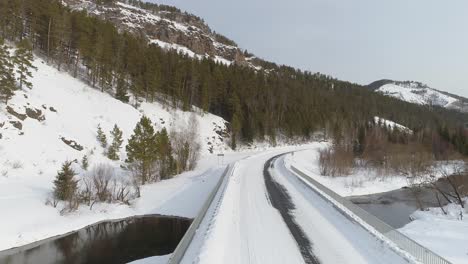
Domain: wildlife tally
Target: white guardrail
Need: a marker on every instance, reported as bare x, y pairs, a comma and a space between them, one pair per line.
406, 244
184, 244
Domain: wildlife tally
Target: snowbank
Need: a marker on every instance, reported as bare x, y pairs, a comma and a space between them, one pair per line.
446, 235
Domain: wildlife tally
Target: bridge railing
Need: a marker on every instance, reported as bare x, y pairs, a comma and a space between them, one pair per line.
184, 244
404, 243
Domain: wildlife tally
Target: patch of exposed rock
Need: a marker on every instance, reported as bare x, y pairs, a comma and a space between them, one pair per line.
12, 112
71, 143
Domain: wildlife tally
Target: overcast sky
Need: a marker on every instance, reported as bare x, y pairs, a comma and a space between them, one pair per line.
356, 40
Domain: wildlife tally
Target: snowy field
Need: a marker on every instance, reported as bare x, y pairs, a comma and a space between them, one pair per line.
446, 235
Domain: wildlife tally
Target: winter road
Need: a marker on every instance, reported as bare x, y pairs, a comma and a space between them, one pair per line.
267, 215
281, 200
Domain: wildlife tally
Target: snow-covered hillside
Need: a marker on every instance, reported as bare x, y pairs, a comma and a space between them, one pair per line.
56, 121
390, 124
417, 93
59, 107
170, 29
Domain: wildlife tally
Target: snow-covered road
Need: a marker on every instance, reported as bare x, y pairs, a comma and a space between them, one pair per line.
247, 228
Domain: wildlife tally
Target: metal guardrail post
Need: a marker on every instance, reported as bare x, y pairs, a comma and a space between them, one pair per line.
184, 244
419, 252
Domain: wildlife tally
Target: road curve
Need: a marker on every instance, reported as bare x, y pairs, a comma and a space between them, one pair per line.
281, 200
267, 215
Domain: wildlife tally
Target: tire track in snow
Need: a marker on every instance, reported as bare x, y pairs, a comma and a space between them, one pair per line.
281, 200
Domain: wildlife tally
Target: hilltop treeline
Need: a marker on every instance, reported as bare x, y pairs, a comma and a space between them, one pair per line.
283, 101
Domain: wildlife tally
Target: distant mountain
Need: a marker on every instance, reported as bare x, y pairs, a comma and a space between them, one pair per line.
419, 93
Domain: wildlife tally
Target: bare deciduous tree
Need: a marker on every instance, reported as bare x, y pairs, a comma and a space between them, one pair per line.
455, 175
101, 177
186, 144
336, 161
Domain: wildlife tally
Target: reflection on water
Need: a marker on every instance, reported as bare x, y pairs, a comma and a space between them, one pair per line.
110, 242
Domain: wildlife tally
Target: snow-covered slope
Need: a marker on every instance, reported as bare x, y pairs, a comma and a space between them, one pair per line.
56, 121
390, 124
418, 93
169, 28
68, 108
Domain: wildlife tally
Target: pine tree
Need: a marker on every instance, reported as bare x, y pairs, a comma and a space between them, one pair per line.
117, 140
65, 185
235, 130
101, 137
142, 149
7, 79
121, 90
164, 154
23, 59
85, 162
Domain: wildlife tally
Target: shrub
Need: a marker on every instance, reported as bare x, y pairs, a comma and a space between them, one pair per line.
102, 185
336, 161
17, 165
101, 178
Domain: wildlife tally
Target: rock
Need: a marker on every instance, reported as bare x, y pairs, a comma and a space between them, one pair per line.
17, 124
35, 114
197, 35
52, 109
71, 143
12, 112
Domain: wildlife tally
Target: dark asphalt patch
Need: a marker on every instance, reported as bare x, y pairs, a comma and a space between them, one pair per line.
281, 200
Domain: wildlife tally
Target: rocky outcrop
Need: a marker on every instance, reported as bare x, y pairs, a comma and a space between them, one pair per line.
17, 124
35, 114
14, 113
167, 24
71, 143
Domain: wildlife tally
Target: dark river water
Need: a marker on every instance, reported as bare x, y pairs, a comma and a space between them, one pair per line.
394, 207
109, 242
396, 214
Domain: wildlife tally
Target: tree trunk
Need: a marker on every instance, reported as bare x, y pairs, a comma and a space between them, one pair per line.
457, 193
48, 40
440, 204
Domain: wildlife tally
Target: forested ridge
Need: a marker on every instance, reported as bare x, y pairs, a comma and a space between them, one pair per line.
281, 102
